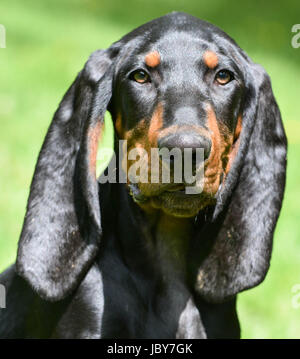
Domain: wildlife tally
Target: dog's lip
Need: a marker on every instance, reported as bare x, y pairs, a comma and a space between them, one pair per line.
179, 191
179, 188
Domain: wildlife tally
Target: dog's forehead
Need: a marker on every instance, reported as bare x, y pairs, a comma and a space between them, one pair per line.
182, 45
170, 49
176, 35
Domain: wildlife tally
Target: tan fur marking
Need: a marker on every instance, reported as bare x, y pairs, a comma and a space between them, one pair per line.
235, 146
238, 128
94, 135
155, 124
210, 59
118, 126
152, 59
232, 155
213, 166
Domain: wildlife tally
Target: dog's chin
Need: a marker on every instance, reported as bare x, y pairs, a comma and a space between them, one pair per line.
172, 200
180, 204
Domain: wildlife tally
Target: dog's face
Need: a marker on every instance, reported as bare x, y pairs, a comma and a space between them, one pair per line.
181, 90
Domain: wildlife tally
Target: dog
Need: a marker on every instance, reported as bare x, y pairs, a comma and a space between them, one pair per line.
149, 260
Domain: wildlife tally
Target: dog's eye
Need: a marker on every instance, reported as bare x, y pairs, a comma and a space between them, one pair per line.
224, 76
140, 76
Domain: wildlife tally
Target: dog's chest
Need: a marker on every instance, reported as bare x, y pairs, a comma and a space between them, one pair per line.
134, 308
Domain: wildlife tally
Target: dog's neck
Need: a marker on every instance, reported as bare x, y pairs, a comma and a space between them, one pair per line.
161, 238
168, 239
154, 244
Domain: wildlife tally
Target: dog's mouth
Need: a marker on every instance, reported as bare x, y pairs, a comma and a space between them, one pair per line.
173, 200
141, 194
177, 202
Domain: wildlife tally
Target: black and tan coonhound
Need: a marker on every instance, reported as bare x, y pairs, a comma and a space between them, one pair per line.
148, 260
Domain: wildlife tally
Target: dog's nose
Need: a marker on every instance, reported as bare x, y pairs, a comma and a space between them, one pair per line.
185, 140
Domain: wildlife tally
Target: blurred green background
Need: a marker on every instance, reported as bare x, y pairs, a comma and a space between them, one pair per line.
48, 43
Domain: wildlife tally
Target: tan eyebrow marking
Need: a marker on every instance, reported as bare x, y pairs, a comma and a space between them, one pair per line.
210, 59
152, 59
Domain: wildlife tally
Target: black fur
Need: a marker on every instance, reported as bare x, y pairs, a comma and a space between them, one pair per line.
83, 269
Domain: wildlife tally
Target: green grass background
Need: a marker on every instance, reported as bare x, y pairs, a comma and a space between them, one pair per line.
48, 43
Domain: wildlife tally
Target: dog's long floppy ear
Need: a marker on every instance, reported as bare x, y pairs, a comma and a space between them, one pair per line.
238, 250
62, 226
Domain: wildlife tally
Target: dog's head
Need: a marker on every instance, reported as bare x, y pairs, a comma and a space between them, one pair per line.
181, 84
174, 83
